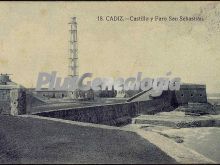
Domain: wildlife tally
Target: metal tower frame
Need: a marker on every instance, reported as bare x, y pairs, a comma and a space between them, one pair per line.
73, 50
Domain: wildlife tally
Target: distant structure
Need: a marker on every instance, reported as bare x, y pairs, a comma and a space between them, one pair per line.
188, 93
73, 50
72, 69
73, 64
4, 79
12, 97
46, 93
191, 93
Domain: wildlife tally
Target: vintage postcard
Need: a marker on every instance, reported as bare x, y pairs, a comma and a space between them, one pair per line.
91, 82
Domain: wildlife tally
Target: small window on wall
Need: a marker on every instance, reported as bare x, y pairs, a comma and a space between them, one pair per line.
191, 95
200, 95
182, 94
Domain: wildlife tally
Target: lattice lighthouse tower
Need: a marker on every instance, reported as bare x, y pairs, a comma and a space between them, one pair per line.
73, 50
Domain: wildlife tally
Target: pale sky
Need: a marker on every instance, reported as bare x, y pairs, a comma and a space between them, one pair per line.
34, 38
